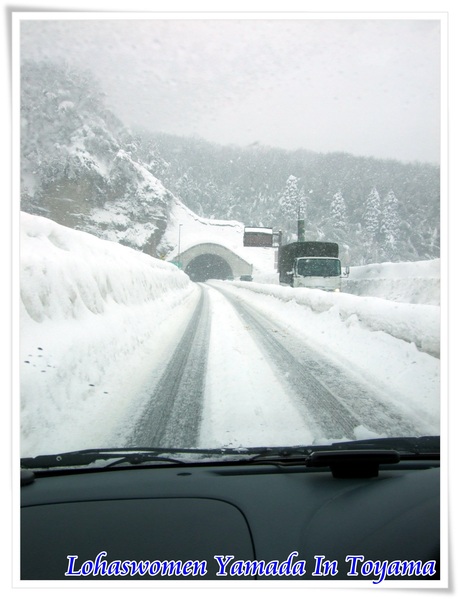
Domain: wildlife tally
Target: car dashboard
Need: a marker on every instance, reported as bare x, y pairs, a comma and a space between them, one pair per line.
232, 521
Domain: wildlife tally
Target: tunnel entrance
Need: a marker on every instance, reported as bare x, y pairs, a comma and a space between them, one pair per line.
208, 266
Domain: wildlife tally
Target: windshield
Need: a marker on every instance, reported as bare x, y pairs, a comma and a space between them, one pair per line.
164, 163
318, 267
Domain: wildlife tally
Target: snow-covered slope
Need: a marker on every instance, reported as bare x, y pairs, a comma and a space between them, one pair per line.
81, 167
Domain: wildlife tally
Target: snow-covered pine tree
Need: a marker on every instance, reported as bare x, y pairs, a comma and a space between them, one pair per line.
390, 228
338, 215
371, 226
292, 204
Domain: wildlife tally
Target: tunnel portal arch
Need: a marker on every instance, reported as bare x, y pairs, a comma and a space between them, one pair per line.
213, 261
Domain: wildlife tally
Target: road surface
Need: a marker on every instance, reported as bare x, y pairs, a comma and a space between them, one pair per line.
237, 378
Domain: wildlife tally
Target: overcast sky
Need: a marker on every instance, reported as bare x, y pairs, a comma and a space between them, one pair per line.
367, 87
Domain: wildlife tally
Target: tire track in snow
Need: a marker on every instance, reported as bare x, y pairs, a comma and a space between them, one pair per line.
245, 402
326, 394
173, 416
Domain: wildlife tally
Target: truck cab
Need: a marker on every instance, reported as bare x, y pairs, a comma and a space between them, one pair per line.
312, 264
317, 272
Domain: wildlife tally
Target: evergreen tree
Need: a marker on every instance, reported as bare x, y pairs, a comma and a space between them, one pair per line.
292, 204
338, 215
390, 228
371, 226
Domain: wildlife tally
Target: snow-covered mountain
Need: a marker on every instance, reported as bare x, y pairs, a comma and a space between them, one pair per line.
79, 165
81, 168
382, 210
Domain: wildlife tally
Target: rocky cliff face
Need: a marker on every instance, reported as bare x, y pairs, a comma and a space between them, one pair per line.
80, 166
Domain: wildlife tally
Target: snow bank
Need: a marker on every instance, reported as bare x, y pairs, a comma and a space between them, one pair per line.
88, 309
424, 269
418, 324
398, 373
410, 282
70, 274
405, 282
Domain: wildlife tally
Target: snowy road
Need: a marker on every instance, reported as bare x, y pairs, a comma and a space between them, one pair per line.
238, 377
173, 415
118, 349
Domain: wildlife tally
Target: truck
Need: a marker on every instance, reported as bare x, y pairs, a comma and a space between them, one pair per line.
313, 264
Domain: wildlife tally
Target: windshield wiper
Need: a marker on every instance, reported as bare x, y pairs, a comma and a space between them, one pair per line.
404, 447
134, 455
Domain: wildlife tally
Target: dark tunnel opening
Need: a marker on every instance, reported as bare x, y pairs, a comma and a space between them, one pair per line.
208, 266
